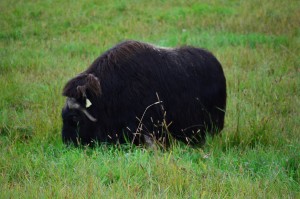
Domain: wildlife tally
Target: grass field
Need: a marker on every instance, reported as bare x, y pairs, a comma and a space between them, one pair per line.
45, 43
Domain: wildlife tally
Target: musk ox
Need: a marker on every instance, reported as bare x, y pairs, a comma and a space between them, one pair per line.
139, 93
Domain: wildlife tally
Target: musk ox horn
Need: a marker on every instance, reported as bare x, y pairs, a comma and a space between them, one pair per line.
78, 86
72, 104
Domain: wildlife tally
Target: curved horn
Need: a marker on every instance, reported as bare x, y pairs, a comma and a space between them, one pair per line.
72, 104
88, 115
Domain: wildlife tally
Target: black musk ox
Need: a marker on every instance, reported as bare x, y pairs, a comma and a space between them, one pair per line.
139, 93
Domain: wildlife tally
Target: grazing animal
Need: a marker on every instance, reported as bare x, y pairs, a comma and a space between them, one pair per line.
139, 93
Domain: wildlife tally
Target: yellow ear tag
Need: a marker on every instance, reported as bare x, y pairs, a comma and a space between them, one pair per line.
87, 103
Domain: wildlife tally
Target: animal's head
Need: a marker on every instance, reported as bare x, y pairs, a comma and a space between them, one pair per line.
79, 113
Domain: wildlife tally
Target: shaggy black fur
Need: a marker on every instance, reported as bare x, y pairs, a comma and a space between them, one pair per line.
137, 90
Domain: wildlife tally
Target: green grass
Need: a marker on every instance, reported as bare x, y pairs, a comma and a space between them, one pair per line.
45, 43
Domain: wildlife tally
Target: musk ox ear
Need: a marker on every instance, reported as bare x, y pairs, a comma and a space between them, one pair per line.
80, 85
